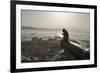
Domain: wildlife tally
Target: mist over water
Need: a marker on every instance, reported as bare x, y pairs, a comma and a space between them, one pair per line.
83, 38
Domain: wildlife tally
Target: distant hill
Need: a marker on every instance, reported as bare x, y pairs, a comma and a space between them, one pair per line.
28, 27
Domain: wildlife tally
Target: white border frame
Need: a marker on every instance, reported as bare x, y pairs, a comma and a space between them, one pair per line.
20, 65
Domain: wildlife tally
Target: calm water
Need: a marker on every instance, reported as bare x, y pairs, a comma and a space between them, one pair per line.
82, 37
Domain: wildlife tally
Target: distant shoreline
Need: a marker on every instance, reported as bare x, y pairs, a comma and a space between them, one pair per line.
36, 28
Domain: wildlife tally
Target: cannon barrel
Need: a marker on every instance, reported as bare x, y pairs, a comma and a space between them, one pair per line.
77, 51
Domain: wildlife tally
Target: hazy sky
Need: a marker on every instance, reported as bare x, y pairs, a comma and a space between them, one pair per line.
47, 19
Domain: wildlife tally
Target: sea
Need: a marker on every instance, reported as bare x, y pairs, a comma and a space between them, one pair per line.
82, 38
